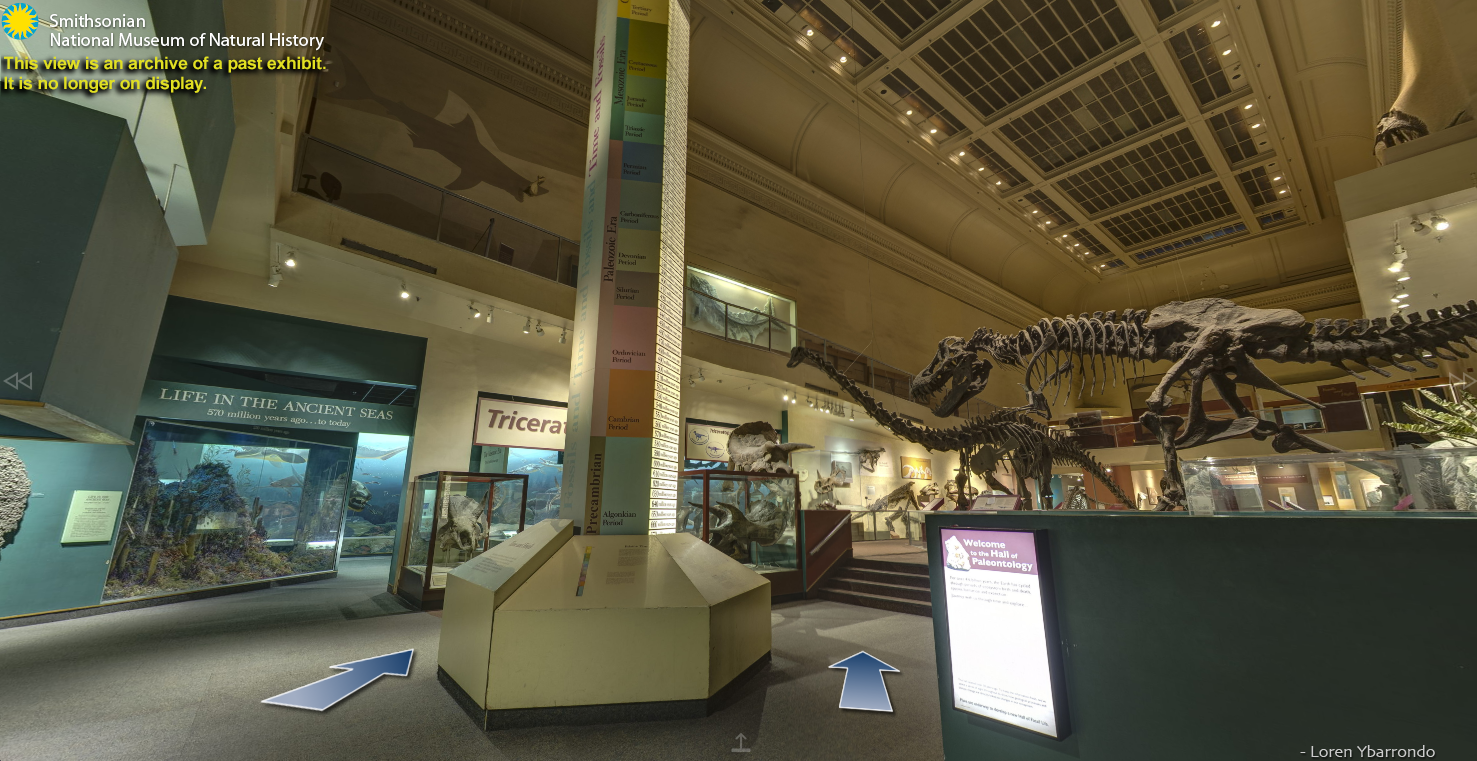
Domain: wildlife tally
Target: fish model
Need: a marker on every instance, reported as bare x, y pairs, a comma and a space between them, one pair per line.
287, 483
281, 456
366, 453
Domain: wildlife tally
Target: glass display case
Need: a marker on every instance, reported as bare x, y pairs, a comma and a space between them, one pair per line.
451, 518
1398, 480
753, 518
211, 507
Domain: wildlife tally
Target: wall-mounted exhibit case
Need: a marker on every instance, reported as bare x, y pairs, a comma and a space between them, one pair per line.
883, 506
739, 312
753, 518
208, 507
685, 622
1398, 480
449, 519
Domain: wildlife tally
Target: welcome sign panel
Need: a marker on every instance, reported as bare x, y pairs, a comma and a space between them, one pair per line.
1003, 642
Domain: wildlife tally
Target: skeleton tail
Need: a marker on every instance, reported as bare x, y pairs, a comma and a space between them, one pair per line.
1444, 334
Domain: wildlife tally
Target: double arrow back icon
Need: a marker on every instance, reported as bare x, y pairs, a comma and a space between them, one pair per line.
16, 381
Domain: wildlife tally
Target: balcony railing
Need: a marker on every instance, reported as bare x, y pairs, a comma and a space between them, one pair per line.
1335, 417
371, 189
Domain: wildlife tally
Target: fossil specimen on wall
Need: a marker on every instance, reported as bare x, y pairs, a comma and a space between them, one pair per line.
15, 493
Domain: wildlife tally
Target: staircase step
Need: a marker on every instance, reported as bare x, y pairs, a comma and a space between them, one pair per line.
886, 590
879, 602
917, 569
850, 571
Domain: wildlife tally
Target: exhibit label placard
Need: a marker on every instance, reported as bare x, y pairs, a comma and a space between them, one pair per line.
516, 424
189, 401
1003, 643
920, 468
707, 442
91, 516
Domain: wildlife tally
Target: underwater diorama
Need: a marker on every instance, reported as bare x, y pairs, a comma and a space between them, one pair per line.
379, 472
545, 471
209, 507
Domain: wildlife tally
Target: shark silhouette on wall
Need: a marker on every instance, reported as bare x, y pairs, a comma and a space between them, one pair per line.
457, 143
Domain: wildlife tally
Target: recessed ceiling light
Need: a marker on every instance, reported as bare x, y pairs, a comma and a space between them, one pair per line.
1280, 192
1048, 221
997, 182
1402, 295
809, 32
1227, 51
1215, 23
933, 130
981, 169
961, 153
1035, 211
1274, 179
910, 112
843, 59
1258, 124
1402, 278
1394, 301
1247, 106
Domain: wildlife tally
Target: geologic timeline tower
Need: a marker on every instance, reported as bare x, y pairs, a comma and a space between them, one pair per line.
621, 456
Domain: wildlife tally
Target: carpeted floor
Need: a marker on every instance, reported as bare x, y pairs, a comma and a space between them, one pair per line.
185, 681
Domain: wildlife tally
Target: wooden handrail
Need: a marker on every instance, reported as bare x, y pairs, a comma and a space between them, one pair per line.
832, 535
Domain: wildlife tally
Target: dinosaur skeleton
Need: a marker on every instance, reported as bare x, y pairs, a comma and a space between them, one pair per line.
982, 443
870, 457
1205, 339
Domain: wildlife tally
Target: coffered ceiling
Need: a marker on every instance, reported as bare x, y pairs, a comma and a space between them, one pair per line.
1061, 149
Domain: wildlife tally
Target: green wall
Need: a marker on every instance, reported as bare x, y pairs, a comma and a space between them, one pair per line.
1244, 637
203, 331
38, 572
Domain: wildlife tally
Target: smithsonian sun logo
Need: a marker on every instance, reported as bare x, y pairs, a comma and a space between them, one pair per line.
20, 21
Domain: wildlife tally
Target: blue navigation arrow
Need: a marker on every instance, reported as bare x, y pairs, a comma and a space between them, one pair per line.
324, 693
864, 689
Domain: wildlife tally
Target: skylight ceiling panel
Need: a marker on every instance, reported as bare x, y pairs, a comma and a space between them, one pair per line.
1194, 207
922, 109
1241, 132
1010, 49
829, 26
903, 17
1110, 108
1163, 9
1210, 61
1264, 185
1141, 172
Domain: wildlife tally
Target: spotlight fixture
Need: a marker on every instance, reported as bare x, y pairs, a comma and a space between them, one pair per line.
933, 130
700, 374
1402, 295
1248, 106
291, 259
539, 329
1215, 23
527, 325
794, 400
1402, 278
1282, 192
1258, 124
961, 153
852, 415
785, 397
1227, 51
1274, 179
404, 292
274, 279
1439, 222
476, 313
490, 310
564, 335
809, 32
843, 59
1400, 256
690, 381
1418, 227
997, 182
1401, 306
981, 169
1394, 301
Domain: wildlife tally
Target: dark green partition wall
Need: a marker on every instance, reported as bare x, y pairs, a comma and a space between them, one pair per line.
1245, 637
